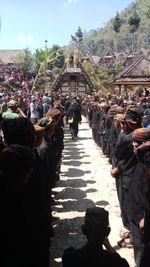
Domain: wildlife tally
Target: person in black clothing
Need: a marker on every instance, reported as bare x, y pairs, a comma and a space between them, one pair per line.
130, 180
96, 229
74, 114
33, 197
102, 128
16, 163
109, 131
93, 123
143, 156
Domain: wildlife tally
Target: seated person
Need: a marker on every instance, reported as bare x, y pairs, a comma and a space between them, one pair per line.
92, 254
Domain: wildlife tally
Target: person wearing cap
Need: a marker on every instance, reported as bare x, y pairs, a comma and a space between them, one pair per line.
96, 229
11, 113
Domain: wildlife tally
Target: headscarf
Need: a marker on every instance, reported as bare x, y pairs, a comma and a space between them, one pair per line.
141, 135
143, 153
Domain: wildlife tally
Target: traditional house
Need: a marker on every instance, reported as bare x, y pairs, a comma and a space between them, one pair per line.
73, 79
138, 73
107, 60
131, 57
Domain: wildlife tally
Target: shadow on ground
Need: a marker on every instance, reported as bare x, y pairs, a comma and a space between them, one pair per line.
71, 199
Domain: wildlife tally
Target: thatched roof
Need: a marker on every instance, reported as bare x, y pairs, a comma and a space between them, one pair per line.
7, 55
137, 73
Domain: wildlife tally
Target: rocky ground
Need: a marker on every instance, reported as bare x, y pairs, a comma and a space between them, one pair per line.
85, 182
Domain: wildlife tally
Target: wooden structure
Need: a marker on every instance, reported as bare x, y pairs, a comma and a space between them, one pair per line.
108, 60
73, 79
138, 73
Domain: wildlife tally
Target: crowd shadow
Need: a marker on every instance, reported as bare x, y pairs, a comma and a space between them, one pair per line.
74, 163
74, 172
72, 234
74, 205
102, 203
72, 198
77, 183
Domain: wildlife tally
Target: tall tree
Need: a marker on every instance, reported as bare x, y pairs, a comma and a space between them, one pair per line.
78, 37
39, 57
116, 27
134, 23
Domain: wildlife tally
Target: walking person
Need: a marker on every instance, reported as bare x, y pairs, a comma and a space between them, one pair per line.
74, 118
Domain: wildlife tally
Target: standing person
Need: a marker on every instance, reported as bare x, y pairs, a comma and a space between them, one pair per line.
94, 123
16, 163
74, 118
33, 198
143, 155
134, 202
96, 229
124, 153
34, 112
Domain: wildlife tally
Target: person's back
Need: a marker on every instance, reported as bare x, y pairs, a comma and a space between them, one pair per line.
96, 229
86, 257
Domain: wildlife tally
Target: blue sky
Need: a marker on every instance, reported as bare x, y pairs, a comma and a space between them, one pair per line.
28, 23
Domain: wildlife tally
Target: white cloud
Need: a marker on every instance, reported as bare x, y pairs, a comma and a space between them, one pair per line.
69, 2
25, 39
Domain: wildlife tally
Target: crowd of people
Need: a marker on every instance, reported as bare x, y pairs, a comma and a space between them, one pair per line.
30, 159
31, 145
121, 127
16, 77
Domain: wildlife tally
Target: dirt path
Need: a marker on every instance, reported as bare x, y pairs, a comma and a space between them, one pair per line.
85, 182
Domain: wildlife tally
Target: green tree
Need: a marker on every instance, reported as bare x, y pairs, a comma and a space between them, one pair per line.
78, 37
134, 23
39, 57
116, 27
56, 57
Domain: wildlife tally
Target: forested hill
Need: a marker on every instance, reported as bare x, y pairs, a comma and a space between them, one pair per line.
128, 30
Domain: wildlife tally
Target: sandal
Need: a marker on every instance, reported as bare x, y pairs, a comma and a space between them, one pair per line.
125, 243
